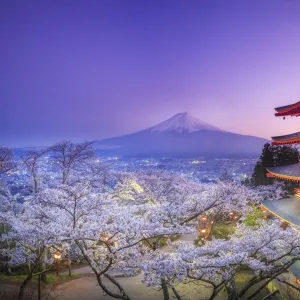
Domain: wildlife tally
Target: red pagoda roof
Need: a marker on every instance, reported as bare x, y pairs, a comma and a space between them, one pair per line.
293, 138
288, 110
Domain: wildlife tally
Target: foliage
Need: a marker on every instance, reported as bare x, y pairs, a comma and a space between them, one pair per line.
253, 218
272, 156
6, 160
223, 231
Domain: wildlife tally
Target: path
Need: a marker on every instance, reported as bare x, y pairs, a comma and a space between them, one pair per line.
88, 288
85, 270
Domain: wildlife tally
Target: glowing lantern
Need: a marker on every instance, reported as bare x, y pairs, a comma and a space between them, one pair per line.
57, 255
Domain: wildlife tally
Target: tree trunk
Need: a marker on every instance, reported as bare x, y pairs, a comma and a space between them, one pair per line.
29, 276
29, 266
7, 270
39, 287
43, 268
178, 297
44, 275
69, 266
231, 290
165, 290
23, 286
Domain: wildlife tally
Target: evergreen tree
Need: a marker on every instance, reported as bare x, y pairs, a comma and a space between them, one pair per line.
273, 156
266, 159
267, 156
285, 155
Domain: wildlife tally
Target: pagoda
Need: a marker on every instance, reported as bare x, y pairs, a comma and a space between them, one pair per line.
287, 209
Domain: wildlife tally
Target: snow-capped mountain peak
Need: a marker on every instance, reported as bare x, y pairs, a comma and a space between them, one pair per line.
183, 123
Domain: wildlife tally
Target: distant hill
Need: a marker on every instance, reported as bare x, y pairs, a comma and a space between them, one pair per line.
182, 135
19, 152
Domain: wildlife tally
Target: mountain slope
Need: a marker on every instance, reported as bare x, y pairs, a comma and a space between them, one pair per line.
182, 135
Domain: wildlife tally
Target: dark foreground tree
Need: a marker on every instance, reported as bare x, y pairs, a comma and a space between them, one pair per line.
6, 160
272, 156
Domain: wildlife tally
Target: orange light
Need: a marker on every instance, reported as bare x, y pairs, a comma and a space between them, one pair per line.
57, 255
231, 213
297, 281
203, 218
203, 230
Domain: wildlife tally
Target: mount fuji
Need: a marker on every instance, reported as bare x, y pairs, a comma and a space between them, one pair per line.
182, 135
183, 123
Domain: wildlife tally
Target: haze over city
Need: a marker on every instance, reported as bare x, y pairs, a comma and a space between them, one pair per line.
86, 71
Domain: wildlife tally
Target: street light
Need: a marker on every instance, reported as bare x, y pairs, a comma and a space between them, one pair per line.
57, 257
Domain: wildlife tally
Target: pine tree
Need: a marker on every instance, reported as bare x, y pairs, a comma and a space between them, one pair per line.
285, 155
266, 160
272, 156
267, 156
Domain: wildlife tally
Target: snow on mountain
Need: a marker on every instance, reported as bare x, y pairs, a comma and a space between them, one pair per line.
183, 123
181, 136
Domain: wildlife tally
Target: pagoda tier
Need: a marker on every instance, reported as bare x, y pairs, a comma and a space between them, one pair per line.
293, 138
290, 172
295, 269
287, 209
288, 110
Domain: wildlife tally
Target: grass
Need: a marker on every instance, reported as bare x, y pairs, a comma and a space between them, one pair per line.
223, 231
51, 279
253, 218
241, 278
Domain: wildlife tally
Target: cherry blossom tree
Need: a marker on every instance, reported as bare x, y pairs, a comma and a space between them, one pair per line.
6, 160
32, 162
120, 222
266, 250
69, 156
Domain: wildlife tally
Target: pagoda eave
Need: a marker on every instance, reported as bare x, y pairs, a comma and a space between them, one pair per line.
289, 172
288, 110
288, 209
283, 177
293, 138
287, 142
292, 114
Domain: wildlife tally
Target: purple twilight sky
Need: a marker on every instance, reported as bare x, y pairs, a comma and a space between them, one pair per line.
85, 70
